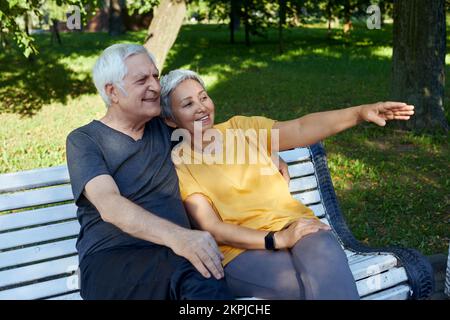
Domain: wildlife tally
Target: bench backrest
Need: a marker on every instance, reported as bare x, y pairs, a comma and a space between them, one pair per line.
38, 259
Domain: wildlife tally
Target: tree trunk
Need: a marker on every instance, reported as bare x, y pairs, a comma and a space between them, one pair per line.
161, 35
234, 18
116, 23
418, 74
329, 15
246, 23
347, 17
55, 31
281, 22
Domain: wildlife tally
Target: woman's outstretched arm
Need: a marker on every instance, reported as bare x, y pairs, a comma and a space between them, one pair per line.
317, 126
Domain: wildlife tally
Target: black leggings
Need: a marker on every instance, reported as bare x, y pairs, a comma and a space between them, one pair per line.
316, 268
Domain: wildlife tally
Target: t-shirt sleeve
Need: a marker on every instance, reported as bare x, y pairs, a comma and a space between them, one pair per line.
262, 125
188, 184
85, 161
255, 122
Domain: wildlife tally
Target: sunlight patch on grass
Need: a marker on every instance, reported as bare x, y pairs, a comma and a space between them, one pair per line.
41, 139
383, 52
79, 64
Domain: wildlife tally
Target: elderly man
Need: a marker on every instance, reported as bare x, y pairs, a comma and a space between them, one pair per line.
135, 240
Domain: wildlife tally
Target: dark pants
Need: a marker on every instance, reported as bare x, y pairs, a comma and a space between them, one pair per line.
316, 268
148, 273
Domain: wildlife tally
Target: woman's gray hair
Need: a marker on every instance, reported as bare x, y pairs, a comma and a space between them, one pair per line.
110, 67
169, 82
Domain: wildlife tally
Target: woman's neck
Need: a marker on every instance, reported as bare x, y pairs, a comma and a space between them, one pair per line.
200, 145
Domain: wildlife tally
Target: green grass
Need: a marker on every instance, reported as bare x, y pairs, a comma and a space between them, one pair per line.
393, 186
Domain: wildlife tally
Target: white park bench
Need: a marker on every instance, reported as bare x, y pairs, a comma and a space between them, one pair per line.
38, 259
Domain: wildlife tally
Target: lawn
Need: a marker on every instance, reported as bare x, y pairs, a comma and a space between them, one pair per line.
393, 186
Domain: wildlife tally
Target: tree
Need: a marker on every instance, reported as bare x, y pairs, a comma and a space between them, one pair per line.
116, 12
12, 11
161, 35
418, 75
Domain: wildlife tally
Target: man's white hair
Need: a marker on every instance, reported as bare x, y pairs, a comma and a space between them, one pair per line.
169, 83
110, 67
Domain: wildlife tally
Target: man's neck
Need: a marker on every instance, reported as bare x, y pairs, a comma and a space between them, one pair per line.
123, 123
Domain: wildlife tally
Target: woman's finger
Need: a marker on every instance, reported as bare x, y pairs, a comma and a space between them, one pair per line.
394, 104
404, 113
402, 117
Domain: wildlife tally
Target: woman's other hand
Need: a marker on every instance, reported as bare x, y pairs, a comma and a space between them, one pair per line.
284, 170
288, 237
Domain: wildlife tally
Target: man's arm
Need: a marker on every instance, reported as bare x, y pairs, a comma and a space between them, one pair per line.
197, 246
315, 127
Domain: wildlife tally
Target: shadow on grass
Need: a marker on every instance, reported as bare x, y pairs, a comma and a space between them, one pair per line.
57, 73
394, 187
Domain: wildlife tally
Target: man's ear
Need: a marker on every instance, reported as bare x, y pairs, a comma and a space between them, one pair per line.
170, 123
111, 92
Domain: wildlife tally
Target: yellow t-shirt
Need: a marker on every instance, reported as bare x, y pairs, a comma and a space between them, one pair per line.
241, 192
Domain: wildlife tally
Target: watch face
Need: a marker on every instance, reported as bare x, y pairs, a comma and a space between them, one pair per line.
269, 241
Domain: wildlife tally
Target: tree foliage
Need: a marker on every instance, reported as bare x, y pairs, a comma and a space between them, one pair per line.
14, 15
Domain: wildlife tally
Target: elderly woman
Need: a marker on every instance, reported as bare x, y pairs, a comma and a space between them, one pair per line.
273, 246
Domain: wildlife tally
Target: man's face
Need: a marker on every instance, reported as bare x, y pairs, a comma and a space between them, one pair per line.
191, 105
142, 88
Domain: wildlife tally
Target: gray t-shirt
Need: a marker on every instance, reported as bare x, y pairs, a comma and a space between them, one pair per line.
142, 170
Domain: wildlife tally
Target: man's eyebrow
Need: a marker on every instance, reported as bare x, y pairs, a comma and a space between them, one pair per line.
140, 75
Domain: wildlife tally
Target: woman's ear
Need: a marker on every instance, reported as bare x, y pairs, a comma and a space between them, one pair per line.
170, 123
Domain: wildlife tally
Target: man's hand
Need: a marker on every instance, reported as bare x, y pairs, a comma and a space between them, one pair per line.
381, 112
288, 237
200, 248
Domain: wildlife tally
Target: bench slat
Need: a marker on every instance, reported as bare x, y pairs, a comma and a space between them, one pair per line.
38, 234
381, 281
24, 199
308, 197
400, 292
318, 210
299, 154
33, 178
38, 271
357, 258
349, 253
301, 184
38, 290
374, 265
37, 253
70, 296
301, 169
37, 216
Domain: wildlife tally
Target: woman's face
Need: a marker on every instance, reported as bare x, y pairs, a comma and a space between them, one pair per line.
191, 106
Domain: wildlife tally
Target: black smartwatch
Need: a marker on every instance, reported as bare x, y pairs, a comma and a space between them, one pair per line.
269, 241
